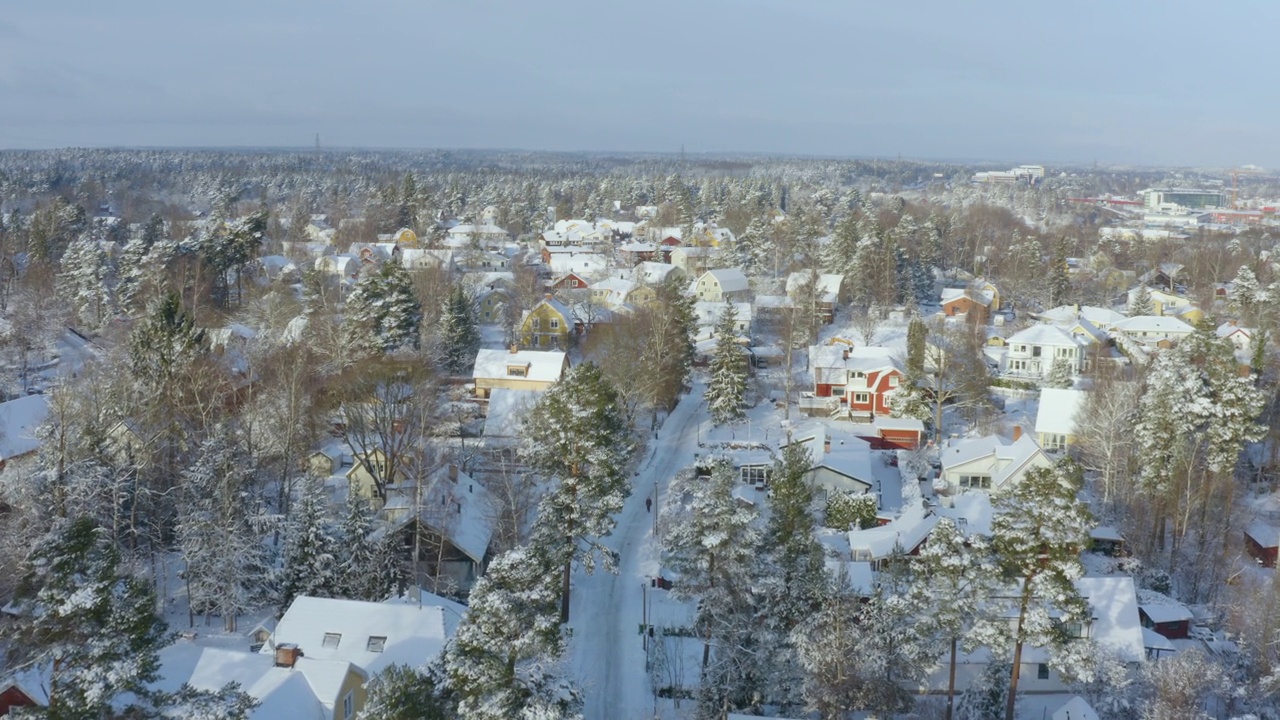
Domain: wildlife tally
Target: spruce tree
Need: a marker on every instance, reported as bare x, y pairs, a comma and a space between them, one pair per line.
1141, 303
383, 312
163, 343
79, 618
1059, 279
459, 333
366, 561
727, 387
309, 559
400, 692
1061, 374
917, 335
86, 282
575, 438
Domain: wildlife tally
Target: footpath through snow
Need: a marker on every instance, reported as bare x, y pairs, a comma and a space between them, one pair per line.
606, 651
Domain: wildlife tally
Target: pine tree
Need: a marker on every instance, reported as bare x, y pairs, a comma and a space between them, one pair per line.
400, 692
1039, 529
727, 388
459, 334
575, 437
501, 663
383, 313
94, 630
849, 511
1141, 302
309, 559
224, 553
163, 343
86, 282
958, 576
1061, 374
709, 541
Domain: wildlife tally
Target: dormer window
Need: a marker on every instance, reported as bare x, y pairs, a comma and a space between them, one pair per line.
376, 644
517, 371
331, 640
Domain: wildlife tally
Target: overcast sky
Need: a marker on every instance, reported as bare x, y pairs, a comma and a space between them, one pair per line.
1121, 82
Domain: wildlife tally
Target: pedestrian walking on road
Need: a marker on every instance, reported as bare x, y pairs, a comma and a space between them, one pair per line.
648, 504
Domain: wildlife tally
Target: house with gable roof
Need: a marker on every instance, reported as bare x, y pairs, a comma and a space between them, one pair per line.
1153, 330
548, 325
692, 261
863, 378
721, 285
1033, 351
1113, 624
1056, 417
964, 302
829, 288
515, 369
989, 463
448, 522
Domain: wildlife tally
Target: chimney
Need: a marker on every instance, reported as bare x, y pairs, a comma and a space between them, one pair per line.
453, 473
1017, 433
826, 445
515, 349
547, 295
846, 354
287, 655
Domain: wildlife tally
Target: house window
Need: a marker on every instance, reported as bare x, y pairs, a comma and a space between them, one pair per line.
862, 397
977, 482
858, 375
754, 474
537, 324
517, 371
893, 381
376, 644
573, 282
1035, 351
555, 324
1054, 441
331, 640
348, 705
1042, 672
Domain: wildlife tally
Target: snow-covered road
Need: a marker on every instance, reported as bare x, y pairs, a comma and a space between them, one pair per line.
606, 651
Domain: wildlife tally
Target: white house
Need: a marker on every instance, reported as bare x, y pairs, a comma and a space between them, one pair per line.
1152, 329
1100, 317
708, 315
1033, 351
1241, 338
722, 284
989, 463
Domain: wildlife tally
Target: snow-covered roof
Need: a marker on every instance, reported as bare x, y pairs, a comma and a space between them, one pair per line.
906, 531
1153, 640
506, 411
1046, 335
1008, 458
861, 578
1169, 610
971, 513
453, 504
885, 422
1228, 329
1159, 324
1116, 626
826, 284
1266, 535
411, 634
19, 420
585, 264
540, 365
708, 313
1058, 411
652, 273
1067, 314
729, 279
872, 359
772, 301
1077, 708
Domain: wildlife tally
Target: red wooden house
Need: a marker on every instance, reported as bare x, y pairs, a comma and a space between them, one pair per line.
1171, 619
863, 378
570, 281
1262, 541
13, 695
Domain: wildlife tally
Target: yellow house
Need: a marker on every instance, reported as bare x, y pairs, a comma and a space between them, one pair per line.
406, 238
518, 370
643, 296
361, 475
983, 285
283, 677
547, 325
489, 305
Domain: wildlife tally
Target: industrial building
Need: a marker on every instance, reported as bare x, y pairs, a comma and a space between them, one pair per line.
1173, 199
1030, 174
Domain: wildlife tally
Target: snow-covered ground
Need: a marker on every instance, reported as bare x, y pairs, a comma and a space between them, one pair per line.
606, 651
